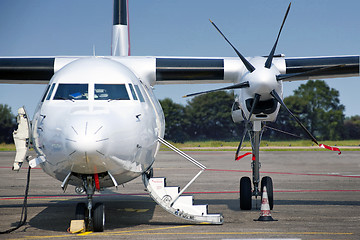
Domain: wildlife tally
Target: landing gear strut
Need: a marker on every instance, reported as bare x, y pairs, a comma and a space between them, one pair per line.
246, 192
94, 217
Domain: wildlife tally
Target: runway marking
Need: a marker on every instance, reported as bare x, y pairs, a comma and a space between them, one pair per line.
280, 173
22, 168
142, 232
134, 210
132, 232
84, 234
288, 173
70, 197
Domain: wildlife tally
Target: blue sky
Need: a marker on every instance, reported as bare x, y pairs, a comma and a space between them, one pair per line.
180, 28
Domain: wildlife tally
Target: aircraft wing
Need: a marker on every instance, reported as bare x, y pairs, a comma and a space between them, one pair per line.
321, 67
182, 70
30, 70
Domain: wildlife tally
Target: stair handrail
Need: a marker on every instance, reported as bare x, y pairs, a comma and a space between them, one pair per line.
190, 159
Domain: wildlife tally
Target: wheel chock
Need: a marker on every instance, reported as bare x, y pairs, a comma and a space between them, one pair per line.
77, 226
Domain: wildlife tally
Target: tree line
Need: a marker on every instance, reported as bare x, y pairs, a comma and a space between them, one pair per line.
208, 117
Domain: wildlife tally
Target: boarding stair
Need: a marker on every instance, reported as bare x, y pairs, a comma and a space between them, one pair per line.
171, 198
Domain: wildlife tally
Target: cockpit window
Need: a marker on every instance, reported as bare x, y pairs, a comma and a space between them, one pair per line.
46, 91
67, 91
132, 91
139, 93
111, 92
50, 92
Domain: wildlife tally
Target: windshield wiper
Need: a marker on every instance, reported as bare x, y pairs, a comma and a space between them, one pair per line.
115, 99
62, 98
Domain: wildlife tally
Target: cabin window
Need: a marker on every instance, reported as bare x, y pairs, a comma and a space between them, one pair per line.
139, 93
67, 91
50, 92
133, 91
111, 92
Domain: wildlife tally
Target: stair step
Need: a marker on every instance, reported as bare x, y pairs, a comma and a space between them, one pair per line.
185, 200
172, 191
183, 207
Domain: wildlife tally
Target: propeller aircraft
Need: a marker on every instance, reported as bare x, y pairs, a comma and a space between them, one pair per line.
99, 124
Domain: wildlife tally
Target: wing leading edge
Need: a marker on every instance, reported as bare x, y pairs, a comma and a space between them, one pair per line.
164, 70
322, 67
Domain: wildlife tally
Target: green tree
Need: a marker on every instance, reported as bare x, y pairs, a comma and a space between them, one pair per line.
7, 124
176, 122
318, 107
209, 116
352, 127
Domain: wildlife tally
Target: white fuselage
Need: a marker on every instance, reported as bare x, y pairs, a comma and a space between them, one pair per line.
109, 123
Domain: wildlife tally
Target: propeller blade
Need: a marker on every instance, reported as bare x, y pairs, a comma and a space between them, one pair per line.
235, 86
255, 102
247, 64
319, 70
271, 55
278, 98
239, 147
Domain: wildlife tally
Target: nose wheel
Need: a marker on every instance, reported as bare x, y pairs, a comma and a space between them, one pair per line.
94, 217
267, 182
99, 217
246, 193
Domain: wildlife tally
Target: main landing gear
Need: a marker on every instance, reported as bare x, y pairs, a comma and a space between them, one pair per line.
94, 217
246, 192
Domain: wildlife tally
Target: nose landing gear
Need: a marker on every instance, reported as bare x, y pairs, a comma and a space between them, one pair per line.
246, 193
94, 217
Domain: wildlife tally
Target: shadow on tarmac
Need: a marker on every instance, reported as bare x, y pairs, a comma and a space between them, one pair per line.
120, 211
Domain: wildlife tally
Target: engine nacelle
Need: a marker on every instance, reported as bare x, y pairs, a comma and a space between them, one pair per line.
237, 113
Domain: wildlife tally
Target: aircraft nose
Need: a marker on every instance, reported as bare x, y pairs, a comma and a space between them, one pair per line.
86, 144
86, 137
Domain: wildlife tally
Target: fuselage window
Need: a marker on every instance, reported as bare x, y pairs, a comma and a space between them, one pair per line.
67, 91
50, 92
47, 89
111, 92
139, 93
132, 91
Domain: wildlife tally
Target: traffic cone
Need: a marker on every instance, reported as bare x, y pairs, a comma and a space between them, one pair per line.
265, 214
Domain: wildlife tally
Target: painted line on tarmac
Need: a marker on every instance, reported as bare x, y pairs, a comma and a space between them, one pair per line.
280, 173
289, 173
73, 196
22, 168
115, 233
142, 232
67, 197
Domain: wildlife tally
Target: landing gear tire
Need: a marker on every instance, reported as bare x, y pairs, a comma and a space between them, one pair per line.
245, 193
99, 217
80, 211
267, 182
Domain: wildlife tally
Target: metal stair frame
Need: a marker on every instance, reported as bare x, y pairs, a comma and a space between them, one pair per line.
170, 197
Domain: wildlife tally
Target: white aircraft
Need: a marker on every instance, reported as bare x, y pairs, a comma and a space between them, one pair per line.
99, 124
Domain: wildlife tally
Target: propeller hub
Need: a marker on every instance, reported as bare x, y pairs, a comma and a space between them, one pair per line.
263, 80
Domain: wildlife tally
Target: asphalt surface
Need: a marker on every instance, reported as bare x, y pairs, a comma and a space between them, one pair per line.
317, 196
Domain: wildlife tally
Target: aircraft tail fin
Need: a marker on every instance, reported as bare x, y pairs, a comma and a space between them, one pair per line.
120, 45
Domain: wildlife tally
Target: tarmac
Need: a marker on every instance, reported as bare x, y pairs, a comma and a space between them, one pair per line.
316, 196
